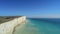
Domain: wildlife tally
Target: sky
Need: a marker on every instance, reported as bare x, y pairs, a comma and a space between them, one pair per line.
30, 8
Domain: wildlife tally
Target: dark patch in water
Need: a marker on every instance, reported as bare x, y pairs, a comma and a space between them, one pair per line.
51, 20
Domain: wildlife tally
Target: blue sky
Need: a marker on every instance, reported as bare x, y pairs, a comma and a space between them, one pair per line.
30, 8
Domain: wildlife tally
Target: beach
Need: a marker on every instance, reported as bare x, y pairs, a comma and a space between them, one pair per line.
37, 26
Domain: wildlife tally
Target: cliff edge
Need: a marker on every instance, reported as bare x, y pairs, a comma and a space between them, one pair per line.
8, 27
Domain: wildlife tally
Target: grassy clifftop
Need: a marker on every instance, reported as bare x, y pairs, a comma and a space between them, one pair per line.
7, 18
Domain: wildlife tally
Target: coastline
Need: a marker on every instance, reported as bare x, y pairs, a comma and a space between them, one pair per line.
16, 27
8, 27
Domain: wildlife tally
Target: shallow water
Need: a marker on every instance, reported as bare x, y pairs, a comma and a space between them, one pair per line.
39, 26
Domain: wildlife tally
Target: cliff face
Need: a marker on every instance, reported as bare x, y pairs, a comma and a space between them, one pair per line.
7, 27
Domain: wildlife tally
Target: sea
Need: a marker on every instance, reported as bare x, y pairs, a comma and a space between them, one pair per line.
39, 26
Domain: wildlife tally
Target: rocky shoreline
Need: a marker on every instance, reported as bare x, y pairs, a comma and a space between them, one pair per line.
9, 27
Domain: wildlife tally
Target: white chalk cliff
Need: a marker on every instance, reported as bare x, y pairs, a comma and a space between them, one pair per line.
8, 27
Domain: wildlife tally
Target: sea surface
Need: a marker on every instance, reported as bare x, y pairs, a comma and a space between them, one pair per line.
39, 26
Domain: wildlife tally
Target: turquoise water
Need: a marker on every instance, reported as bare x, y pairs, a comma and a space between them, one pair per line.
39, 26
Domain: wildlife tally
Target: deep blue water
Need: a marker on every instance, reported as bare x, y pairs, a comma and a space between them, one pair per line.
40, 26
